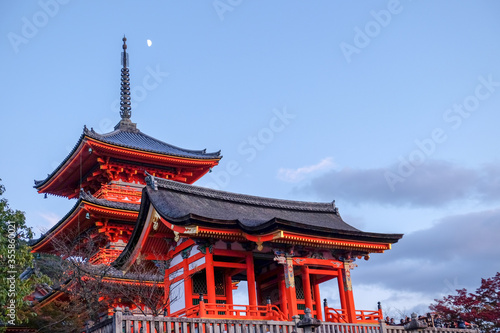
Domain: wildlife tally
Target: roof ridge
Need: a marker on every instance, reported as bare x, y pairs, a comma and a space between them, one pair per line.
105, 137
326, 207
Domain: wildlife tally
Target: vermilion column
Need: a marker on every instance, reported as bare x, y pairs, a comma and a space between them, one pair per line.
340, 281
228, 281
209, 269
188, 285
306, 283
317, 298
252, 295
283, 295
290, 287
349, 297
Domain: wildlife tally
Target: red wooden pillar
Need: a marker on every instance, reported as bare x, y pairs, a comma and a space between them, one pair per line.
252, 296
306, 283
228, 281
188, 285
290, 288
349, 297
340, 281
209, 269
283, 294
317, 298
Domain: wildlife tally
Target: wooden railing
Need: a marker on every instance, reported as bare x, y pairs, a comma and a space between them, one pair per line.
362, 316
231, 311
129, 323
119, 193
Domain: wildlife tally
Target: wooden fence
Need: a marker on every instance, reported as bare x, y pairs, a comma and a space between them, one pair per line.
132, 323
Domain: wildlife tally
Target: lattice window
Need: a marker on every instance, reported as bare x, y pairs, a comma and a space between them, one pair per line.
299, 289
199, 281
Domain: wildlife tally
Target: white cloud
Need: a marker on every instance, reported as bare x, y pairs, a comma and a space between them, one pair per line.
50, 218
296, 175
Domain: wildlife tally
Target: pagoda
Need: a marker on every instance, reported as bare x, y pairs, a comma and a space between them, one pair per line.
106, 174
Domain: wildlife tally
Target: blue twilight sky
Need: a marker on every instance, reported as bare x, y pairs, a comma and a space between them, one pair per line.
391, 108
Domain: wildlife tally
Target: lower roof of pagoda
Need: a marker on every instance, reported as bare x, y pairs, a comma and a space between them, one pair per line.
193, 211
129, 146
76, 219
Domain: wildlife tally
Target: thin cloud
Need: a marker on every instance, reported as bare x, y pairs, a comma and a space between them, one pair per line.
453, 254
296, 175
435, 183
51, 218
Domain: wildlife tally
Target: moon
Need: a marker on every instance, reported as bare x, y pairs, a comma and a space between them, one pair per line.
149, 42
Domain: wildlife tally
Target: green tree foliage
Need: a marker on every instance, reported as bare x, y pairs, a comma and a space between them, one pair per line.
481, 308
15, 258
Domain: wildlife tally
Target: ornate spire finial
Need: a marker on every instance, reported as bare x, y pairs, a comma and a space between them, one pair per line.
125, 104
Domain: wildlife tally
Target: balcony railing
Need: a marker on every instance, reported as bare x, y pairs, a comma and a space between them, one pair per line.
119, 193
362, 316
232, 311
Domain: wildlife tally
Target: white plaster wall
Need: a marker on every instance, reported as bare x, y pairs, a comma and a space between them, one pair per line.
197, 263
175, 260
175, 274
177, 298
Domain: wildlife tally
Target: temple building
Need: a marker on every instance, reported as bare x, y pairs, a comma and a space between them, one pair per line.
135, 194
284, 249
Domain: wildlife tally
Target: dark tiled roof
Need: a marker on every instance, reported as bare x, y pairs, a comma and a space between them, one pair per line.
87, 198
185, 204
137, 140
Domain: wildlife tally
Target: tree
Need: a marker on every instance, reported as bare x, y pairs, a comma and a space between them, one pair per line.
15, 259
481, 308
87, 291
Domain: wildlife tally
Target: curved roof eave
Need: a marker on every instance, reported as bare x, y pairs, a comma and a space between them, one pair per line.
190, 154
84, 198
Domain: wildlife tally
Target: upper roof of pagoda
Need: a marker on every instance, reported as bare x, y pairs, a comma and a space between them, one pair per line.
76, 219
128, 136
198, 212
125, 146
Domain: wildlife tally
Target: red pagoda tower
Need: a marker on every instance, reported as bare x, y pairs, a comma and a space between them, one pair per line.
106, 174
